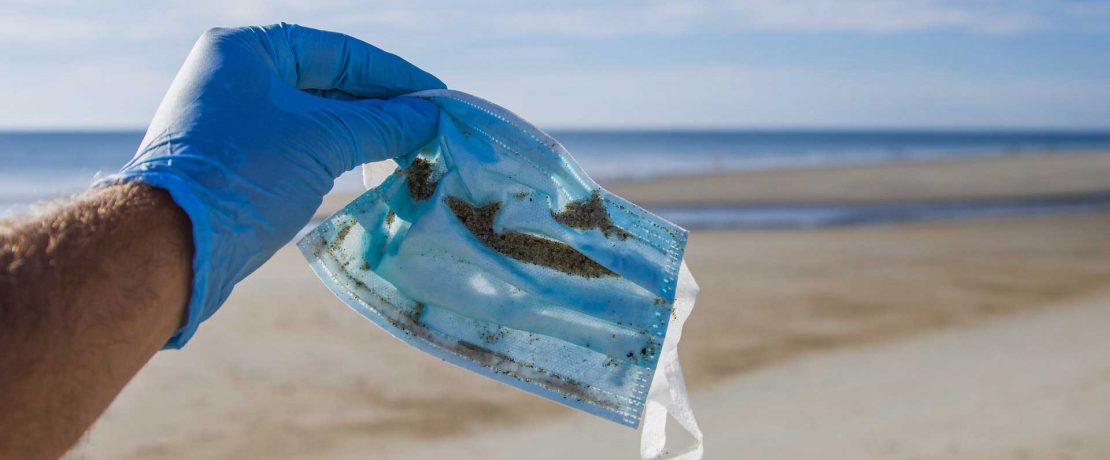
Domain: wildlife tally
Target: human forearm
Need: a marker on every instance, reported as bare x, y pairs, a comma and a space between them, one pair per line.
88, 293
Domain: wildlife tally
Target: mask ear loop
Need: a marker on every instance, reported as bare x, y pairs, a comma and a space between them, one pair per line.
667, 395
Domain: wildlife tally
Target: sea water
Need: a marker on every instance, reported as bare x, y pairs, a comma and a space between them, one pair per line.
42, 165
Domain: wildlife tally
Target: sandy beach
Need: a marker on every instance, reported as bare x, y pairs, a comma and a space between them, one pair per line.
977, 338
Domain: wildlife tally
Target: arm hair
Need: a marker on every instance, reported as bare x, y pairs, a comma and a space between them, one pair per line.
90, 289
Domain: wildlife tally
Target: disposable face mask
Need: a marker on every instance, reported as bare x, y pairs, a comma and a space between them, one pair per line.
490, 249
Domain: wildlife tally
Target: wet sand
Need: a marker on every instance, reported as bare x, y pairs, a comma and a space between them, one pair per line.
284, 370
1007, 176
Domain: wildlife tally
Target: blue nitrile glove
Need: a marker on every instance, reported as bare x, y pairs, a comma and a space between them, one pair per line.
253, 132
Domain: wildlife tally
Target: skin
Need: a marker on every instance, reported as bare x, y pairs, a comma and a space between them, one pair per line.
89, 291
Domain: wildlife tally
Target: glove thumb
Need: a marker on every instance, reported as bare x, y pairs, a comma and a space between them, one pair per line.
383, 129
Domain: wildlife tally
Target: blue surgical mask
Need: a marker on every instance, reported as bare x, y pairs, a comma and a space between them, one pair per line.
491, 249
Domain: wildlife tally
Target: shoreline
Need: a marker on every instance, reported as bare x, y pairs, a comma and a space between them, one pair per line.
1001, 177
792, 216
874, 194
998, 176
857, 214
877, 162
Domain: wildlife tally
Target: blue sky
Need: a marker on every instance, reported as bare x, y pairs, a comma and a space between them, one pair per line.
613, 64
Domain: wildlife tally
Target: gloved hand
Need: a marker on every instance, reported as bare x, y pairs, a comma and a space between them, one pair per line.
253, 132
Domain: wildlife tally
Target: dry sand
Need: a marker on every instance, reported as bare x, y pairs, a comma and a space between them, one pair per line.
284, 370
1030, 386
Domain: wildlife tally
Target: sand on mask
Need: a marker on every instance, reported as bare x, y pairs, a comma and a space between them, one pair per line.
524, 247
419, 179
589, 213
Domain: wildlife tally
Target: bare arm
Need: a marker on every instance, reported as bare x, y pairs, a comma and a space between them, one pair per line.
88, 293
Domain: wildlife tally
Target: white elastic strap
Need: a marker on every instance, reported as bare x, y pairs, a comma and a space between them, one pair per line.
668, 389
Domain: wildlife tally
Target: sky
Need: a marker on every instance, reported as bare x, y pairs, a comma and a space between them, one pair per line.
599, 64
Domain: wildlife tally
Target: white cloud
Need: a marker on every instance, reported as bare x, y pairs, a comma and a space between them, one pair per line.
884, 16
658, 18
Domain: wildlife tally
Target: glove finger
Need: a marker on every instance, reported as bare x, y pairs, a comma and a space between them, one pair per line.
323, 60
382, 129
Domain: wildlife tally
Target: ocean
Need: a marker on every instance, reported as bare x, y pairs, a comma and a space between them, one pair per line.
42, 165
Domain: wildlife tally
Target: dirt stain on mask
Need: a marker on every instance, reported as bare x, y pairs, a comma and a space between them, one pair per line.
589, 213
419, 179
522, 246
